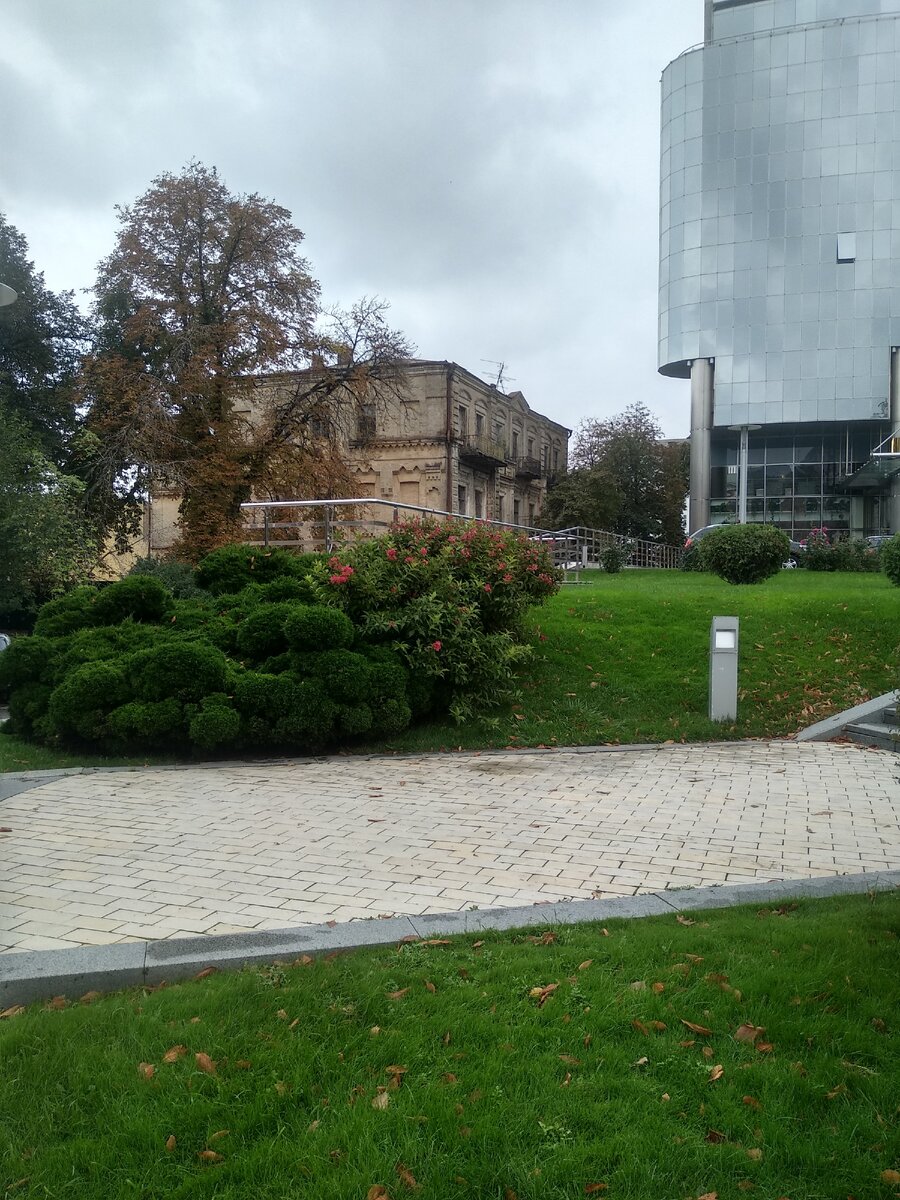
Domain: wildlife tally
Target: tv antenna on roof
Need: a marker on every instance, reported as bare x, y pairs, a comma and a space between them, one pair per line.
500, 381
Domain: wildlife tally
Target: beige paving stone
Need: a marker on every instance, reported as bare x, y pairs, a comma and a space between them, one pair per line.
153, 854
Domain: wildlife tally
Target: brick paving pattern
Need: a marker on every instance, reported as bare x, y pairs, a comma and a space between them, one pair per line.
122, 856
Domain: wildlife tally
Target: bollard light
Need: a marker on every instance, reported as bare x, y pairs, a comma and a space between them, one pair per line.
724, 643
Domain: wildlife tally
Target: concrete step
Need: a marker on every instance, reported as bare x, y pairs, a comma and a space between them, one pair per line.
871, 733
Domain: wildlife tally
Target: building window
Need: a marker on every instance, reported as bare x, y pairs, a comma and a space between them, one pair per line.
556, 458
515, 445
500, 508
479, 423
463, 416
479, 503
531, 447
365, 422
531, 515
517, 512
846, 247
461, 499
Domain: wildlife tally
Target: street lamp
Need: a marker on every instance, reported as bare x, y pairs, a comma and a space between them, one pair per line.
7, 295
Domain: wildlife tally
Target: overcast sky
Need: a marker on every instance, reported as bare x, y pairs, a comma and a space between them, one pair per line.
490, 167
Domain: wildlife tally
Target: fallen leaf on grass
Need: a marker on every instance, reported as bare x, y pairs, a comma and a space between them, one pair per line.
751, 1102
638, 986
398, 995
57, 1003
281, 1087
755, 1155
748, 1033
709, 1196
220, 1133
547, 938
90, 997
282, 1015
765, 1047
707, 1052
205, 1063
543, 994
567, 1080
381, 1101
174, 1054
714, 1136
641, 1027
694, 1028
407, 1177
210, 1156
716, 1073
313, 1126
659, 988
694, 958
374, 1031
509, 1194
195, 1020
835, 1092
437, 942
587, 963
147, 1070
377, 1193
9, 1013
429, 987
477, 945
591, 1189
570, 1059
242, 1064
890, 1176
171, 1142
684, 920
205, 973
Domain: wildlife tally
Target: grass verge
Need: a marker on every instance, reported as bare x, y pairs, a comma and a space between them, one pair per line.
732, 1052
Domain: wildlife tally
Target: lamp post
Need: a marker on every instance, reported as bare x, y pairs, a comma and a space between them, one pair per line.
743, 462
7, 295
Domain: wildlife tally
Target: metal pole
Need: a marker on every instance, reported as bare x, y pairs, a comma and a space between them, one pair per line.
742, 475
328, 517
266, 528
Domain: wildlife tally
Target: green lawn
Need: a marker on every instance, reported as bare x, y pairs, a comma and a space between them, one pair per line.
739, 1052
624, 658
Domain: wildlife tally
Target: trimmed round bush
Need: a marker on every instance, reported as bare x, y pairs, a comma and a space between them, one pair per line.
231, 568
134, 598
309, 716
176, 577
187, 671
744, 553
393, 716
216, 724
28, 708
288, 588
107, 643
262, 634
613, 559
315, 627
81, 703
27, 660
344, 675
257, 694
355, 719
158, 724
889, 556
66, 614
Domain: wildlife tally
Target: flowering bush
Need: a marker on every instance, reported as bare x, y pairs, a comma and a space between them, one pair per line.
826, 551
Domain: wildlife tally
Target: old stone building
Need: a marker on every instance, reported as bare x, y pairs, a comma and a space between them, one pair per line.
450, 441
444, 439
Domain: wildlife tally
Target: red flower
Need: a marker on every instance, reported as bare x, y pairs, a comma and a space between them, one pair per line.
436, 645
338, 579
392, 554
488, 588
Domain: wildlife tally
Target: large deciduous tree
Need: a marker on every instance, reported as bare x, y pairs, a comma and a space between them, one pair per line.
42, 337
625, 478
204, 293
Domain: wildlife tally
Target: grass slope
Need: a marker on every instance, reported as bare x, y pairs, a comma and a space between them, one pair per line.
624, 658
508, 1066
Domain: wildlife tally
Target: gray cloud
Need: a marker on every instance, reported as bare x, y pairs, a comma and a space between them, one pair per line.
490, 168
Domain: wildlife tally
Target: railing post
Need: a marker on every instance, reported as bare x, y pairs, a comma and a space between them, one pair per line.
328, 512
266, 528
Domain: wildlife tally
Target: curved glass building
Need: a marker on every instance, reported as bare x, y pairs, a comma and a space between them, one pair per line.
780, 261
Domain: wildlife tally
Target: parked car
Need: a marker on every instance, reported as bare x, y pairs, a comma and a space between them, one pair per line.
4, 642
877, 540
692, 539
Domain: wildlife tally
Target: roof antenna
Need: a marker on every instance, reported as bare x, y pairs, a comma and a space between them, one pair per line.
500, 382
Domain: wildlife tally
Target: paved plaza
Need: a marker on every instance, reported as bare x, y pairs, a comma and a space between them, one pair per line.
116, 856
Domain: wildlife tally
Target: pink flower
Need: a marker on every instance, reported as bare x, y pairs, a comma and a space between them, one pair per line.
423, 550
409, 559
392, 554
488, 588
436, 645
337, 579
507, 578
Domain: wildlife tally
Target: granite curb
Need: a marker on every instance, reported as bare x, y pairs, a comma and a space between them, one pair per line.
40, 974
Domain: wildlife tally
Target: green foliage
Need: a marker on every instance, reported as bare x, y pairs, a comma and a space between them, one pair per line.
828, 552
72, 611
613, 559
744, 553
344, 675
261, 635
157, 724
27, 660
303, 589
28, 708
355, 720
309, 717
690, 559
230, 568
889, 556
216, 724
175, 576
135, 598
187, 670
315, 627
82, 701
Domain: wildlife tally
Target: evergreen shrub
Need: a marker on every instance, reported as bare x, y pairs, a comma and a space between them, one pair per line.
889, 557
744, 553
136, 597
316, 627
231, 568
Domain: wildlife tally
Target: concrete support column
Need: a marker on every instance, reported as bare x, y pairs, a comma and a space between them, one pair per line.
894, 505
701, 432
